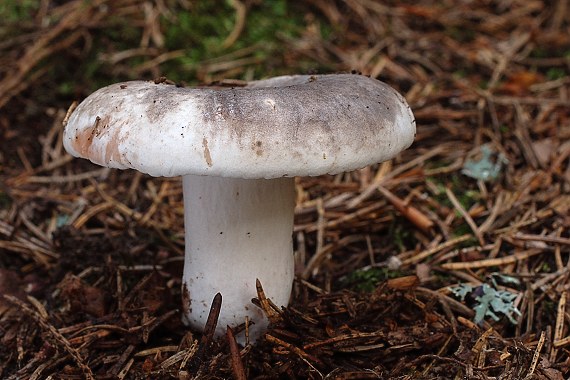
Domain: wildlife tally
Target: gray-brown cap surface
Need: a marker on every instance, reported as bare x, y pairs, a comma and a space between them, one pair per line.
283, 126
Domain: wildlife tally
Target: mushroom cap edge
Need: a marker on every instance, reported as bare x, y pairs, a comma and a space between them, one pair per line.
279, 127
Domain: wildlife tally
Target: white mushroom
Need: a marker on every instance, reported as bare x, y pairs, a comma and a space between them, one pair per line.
238, 150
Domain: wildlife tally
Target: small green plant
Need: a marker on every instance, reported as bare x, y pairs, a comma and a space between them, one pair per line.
488, 301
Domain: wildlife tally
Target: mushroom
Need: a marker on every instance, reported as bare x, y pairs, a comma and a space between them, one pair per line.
238, 151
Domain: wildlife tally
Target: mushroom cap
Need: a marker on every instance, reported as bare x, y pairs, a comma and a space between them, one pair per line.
280, 127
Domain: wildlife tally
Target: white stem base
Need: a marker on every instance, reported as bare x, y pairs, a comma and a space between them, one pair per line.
237, 230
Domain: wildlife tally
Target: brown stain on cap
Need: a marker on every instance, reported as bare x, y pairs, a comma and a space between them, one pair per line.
84, 138
207, 152
101, 129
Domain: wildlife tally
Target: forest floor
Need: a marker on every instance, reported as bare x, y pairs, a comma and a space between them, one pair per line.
450, 261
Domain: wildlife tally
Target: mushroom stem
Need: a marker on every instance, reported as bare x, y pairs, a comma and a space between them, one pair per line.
237, 230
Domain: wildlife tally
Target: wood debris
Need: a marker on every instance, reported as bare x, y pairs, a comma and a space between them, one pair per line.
91, 258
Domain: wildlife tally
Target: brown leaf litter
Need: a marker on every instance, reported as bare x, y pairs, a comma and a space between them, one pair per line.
90, 257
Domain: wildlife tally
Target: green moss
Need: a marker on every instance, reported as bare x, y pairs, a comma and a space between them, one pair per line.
464, 229
366, 280
460, 73
201, 33
198, 30
556, 73
466, 196
402, 235
540, 52
16, 11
